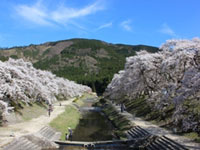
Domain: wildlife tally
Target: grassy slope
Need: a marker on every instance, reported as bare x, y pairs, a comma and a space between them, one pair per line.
33, 111
121, 123
141, 108
70, 118
26, 112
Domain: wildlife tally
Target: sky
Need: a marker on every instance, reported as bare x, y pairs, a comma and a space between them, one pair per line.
149, 22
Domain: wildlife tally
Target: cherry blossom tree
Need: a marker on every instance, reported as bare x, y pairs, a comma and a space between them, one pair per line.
20, 81
168, 77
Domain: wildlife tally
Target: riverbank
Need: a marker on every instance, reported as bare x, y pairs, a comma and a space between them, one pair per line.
87, 122
121, 123
69, 118
156, 130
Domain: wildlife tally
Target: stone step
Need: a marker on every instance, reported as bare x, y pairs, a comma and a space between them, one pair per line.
163, 143
49, 133
156, 146
138, 132
149, 147
172, 143
42, 139
167, 147
134, 134
143, 130
21, 144
14, 144
129, 135
27, 145
43, 130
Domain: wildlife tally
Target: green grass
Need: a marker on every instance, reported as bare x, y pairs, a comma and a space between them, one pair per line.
193, 135
34, 111
69, 118
78, 101
138, 106
120, 122
86, 96
30, 111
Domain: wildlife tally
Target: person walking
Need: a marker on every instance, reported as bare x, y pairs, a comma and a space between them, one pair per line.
122, 107
50, 109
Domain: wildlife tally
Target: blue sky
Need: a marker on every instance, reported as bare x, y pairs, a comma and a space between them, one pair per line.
150, 22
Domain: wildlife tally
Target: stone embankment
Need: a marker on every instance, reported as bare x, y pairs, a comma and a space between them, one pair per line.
43, 139
144, 129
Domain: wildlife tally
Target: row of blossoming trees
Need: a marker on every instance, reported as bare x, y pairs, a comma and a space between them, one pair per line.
168, 78
20, 81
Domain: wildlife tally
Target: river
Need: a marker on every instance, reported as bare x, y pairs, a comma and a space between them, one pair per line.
93, 125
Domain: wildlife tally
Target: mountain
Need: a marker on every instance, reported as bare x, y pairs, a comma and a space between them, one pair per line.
89, 62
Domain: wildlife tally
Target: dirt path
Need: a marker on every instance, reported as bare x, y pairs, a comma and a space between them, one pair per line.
156, 130
16, 130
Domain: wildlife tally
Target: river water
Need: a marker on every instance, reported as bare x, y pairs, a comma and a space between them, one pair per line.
93, 126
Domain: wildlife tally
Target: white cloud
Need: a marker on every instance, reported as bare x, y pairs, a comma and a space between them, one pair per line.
34, 13
106, 25
63, 14
126, 25
167, 30
39, 14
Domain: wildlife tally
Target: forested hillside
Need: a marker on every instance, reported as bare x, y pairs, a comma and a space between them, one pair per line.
89, 62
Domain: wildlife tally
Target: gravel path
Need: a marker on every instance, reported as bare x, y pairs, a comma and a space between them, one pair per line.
156, 130
8, 133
